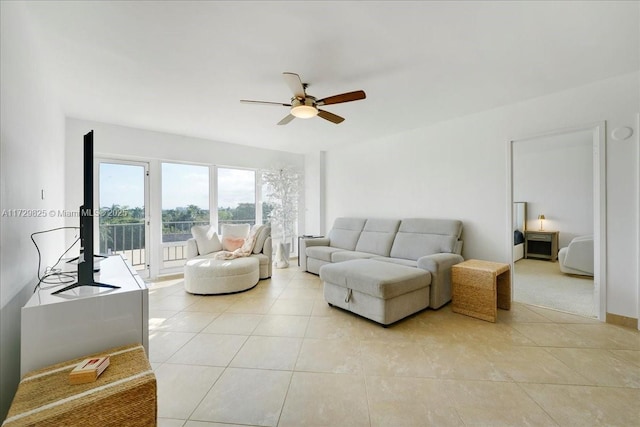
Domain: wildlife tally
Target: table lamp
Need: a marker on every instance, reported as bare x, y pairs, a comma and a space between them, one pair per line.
541, 218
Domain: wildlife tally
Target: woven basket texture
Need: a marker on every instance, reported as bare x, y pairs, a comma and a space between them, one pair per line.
479, 288
123, 395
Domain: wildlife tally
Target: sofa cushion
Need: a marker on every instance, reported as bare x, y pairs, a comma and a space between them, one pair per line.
379, 279
341, 256
206, 239
345, 233
250, 242
322, 253
234, 235
377, 236
400, 261
418, 237
261, 237
262, 258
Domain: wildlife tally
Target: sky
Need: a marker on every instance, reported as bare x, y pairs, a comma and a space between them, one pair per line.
182, 185
121, 185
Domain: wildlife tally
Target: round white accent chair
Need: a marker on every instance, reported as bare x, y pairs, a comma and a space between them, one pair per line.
577, 258
208, 276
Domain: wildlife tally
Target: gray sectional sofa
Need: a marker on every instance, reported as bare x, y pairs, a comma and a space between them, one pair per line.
385, 269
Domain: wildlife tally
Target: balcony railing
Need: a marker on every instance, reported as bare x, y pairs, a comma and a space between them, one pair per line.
129, 239
178, 231
126, 239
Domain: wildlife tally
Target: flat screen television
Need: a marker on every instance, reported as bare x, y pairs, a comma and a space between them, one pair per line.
85, 261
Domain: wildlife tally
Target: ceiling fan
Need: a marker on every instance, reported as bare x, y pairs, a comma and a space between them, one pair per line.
305, 106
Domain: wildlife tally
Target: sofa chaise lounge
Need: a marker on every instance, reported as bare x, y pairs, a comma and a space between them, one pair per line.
385, 269
205, 274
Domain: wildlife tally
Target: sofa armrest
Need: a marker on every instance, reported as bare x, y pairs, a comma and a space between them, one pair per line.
579, 254
457, 249
267, 250
316, 241
439, 265
192, 249
304, 243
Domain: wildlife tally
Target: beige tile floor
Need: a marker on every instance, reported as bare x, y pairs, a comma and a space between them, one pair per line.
278, 355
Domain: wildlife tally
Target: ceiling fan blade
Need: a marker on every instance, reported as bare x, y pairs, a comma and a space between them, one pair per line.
246, 101
343, 97
295, 84
330, 116
286, 119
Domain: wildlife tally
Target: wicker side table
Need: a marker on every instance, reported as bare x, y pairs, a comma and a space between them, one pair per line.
124, 395
480, 288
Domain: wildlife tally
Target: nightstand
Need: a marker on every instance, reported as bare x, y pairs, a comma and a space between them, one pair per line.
541, 244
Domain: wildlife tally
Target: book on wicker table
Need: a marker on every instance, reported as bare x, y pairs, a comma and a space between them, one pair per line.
125, 394
88, 370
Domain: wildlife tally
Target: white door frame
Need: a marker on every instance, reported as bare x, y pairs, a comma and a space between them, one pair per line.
638, 211
598, 132
147, 208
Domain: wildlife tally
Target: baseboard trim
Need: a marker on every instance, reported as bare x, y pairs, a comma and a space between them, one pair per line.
627, 322
165, 277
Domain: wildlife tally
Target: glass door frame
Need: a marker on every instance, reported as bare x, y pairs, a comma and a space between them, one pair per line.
143, 273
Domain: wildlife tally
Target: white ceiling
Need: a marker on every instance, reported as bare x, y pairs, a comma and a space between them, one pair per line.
182, 67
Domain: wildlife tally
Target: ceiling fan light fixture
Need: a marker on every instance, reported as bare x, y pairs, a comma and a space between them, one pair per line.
304, 111
305, 106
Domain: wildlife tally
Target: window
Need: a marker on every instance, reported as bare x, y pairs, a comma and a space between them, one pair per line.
236, 196
185, 203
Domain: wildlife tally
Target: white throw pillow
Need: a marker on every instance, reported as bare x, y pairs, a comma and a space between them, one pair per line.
234, 235
261, 238
206, 238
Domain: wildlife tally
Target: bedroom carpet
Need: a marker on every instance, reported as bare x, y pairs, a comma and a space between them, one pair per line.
542, 283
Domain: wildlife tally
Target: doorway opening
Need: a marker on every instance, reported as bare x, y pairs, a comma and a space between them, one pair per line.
123, 198
562, 174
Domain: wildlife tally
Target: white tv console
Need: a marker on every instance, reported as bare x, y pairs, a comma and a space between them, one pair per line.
86, 319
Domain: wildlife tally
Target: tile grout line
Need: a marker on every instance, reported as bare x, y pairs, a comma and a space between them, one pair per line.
538, 404
522, 385
286, 394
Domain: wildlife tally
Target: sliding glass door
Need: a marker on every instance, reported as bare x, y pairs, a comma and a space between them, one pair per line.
123, 200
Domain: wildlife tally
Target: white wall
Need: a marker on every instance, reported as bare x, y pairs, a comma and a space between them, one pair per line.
125, 142
554, 175
120, 142
458, 169
31, 160
314, 194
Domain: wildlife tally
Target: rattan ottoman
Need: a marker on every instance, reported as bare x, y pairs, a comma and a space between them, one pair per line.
480, 288
124, 395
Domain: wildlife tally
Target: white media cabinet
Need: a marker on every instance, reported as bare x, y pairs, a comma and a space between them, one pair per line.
86, 319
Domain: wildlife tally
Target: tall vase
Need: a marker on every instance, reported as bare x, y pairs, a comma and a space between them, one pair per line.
282, 255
